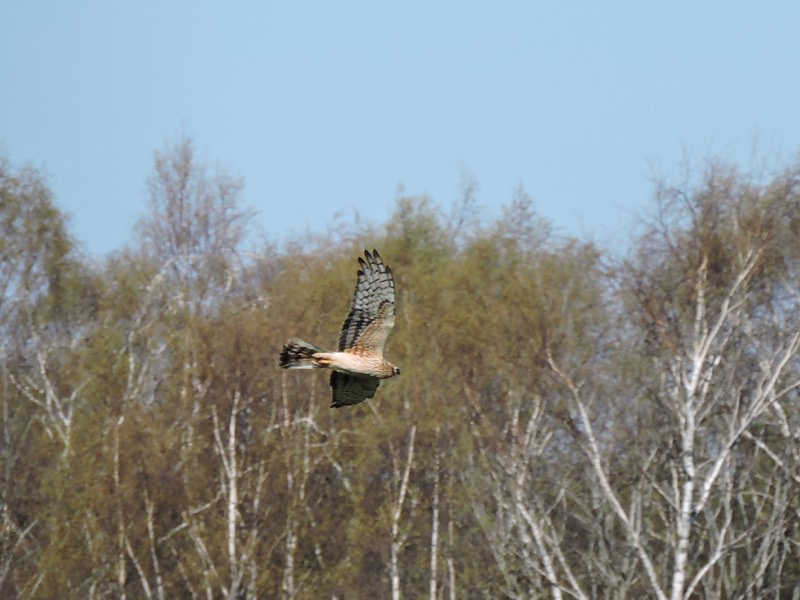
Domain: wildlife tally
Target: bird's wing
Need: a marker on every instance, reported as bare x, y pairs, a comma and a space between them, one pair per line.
349, 389
371, 315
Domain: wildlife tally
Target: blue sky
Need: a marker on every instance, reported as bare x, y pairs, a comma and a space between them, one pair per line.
325, 107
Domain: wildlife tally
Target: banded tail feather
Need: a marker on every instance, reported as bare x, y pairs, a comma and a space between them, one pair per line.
297, 354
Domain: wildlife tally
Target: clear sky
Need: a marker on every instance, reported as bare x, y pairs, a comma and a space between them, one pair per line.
325, 107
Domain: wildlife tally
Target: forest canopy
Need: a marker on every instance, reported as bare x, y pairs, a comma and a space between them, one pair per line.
570, 422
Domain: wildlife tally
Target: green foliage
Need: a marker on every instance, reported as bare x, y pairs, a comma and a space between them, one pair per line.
151, 446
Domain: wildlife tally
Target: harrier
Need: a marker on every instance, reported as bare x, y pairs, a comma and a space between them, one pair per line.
359, 365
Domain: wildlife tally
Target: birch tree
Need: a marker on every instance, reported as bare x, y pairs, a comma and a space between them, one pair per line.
720, 312
42, 306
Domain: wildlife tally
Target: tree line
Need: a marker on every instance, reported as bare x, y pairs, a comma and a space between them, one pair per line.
571, 421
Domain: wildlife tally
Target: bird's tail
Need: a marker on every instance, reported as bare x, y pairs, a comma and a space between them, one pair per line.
297, 354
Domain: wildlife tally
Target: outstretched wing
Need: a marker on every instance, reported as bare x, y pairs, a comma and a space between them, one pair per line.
349, 389
371, 314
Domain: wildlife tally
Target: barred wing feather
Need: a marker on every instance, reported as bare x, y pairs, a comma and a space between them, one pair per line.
371, 315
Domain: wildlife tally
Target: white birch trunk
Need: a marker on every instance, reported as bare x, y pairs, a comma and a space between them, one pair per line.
434, 522
451, 566
287, 581
121, 546
233, 496
397, 539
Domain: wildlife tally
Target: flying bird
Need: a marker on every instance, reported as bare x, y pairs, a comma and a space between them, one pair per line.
358, 366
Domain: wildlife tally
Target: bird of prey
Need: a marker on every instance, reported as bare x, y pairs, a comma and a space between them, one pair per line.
358, 366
